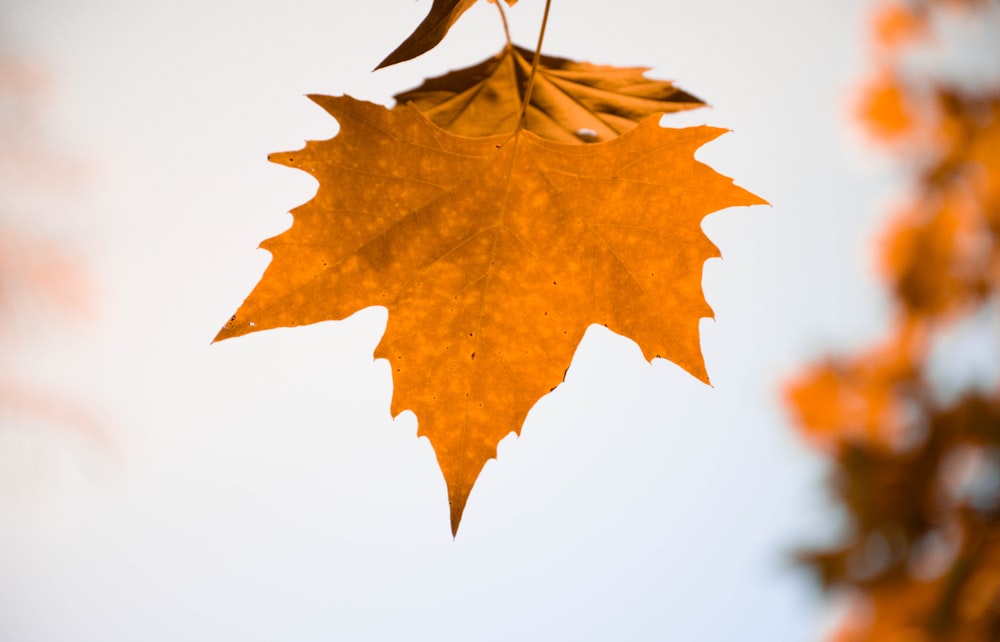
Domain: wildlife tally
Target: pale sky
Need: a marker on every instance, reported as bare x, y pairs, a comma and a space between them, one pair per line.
258, 489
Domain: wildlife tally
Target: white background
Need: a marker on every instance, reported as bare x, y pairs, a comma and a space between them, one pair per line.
258, 489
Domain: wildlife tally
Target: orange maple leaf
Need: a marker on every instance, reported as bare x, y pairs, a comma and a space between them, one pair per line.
571, 102
493, 255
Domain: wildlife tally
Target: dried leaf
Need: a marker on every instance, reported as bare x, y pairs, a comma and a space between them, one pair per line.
493, 256
571, 102
431, 31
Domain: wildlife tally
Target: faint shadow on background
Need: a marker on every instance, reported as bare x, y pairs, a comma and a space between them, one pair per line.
44, 289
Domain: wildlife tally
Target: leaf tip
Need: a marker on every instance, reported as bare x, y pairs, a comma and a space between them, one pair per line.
235, 327
429, 32
388, 61
460, 481
457, 506
226, 331
753, 199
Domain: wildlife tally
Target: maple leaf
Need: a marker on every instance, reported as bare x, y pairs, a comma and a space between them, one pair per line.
571, 102
431, 31
493, 255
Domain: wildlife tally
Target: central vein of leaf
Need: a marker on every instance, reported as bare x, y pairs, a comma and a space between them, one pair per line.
498, 227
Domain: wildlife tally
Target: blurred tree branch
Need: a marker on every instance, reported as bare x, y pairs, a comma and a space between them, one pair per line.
917, 470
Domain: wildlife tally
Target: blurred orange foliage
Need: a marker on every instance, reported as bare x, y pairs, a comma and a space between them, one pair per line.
39, 278
919, 476
896, 24
858, 397
885, 108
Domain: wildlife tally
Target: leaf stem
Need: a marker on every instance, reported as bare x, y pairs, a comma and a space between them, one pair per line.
506, 28
534, 68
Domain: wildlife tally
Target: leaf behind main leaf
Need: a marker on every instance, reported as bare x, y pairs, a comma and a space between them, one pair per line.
571, 102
